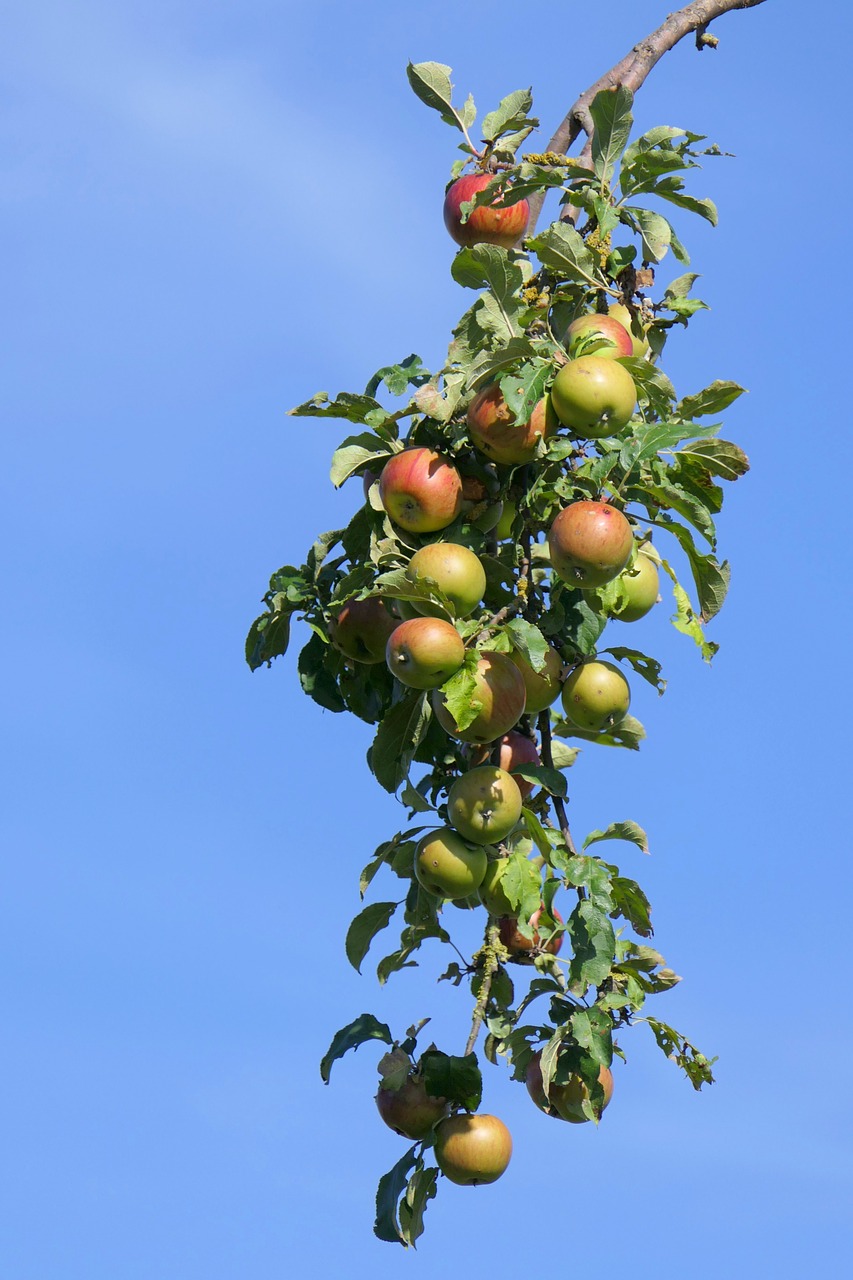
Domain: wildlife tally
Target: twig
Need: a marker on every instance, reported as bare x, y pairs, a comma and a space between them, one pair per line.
631, 72
544, 725
491, 964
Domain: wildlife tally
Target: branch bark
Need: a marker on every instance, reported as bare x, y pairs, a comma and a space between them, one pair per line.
631, 72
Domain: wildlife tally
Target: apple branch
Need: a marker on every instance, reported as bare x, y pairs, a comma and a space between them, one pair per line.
632, 70
490, 966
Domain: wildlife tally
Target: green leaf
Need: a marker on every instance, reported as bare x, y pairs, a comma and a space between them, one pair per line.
485, 266
431, 82
420, 1190
650, 438
397, 739
523, 388
671, 189
563, 757
551, 779
351, 408
390, 1189
364, 929
593, 941
632, 904
714, 399
591, 1029
268, 638
511, 115
720, 457
670, 495
455, 1078
620, 831
628, 733
561, 249
685, 619
611, 113
459, 692
316, 679
398, 377
412, 799
711, 578
694, 1064
529, 641
538, 833
355, 452
362, 1029
648, 668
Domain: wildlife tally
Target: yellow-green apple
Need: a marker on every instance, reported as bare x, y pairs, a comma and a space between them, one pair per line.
543, 687
486, 225
484, 804
590, 543
642, 585
421, 490
455, 570
471, 1150
360, 628
594, 396
635, 327
445, 865
596, 696
499, 690
424, 652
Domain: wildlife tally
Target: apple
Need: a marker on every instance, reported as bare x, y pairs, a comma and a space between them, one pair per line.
596, 696
598, 335
590, 543
484, 804
565, 1101
456, 570
499, 688
486, 225
360, 629
491, 892
448, 867
471, 1150
410, 1110
543, 687
495, 432
635, 327
424, 652
594, 396
524, 949
642, 584
515, 749
503, 528
420, 490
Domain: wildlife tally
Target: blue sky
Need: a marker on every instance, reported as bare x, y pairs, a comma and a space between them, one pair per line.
211, 211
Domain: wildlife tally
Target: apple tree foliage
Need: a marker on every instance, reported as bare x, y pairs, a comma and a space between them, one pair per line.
663, 471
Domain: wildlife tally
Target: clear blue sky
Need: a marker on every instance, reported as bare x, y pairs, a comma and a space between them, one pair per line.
211, 211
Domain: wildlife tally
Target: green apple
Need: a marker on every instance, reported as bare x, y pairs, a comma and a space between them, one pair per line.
447, 866
594, 396
471, 1150
642, 585
596, 696
455, 570
484, 804
543, 687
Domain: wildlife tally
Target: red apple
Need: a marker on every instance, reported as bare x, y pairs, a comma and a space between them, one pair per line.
524, 949
410, 1110
590, 543
495, 432
486, 225
421, 490
360, 629
634, 326
424, 652
516, 749
501, 693
598, 335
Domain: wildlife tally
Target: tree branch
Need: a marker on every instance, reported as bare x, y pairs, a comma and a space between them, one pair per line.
631, 72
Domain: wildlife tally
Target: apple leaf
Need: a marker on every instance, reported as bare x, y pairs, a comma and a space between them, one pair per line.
529, 641
592, 1030
351, 408
711, 577
458, 694
420, 1190
562, 250
714, 399
685, 618
720, 457
410, 372
355, 452
388, 1193
268, 638
431, 82
654, 231
364, 929
538, 833
485, 266
620, 831
593, 941
397, 739
679, 1050
611, 113
632, 904
511, 115
563, 757
315, 677
524, 387
552, 780
627, 733
672, 189
364, 1028
457, 1079
648, 668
